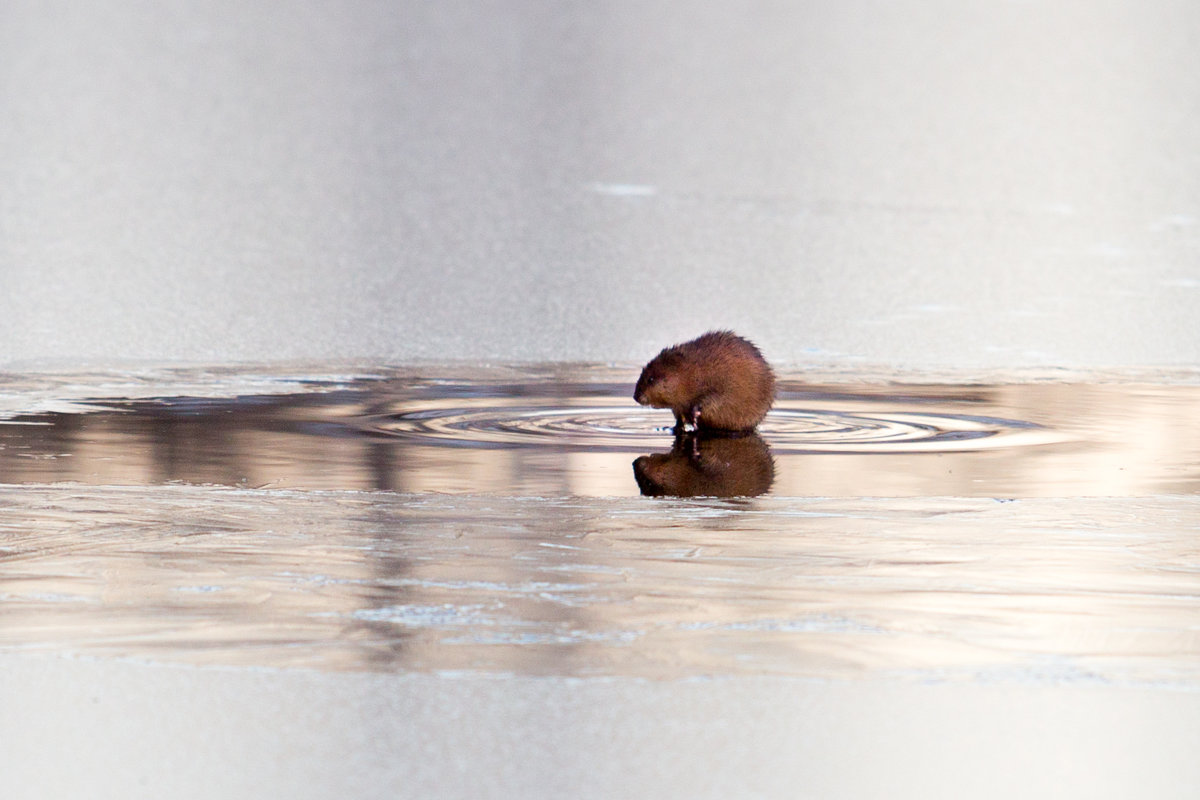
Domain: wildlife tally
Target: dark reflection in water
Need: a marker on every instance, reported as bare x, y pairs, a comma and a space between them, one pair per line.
707, 466
557, 436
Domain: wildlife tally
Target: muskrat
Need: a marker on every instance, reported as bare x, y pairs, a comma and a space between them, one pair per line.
716, 382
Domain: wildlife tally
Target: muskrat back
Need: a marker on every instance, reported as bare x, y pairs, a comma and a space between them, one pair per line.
718, 381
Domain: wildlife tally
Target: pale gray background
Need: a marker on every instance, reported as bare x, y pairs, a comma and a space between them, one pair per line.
909, 183
915, 183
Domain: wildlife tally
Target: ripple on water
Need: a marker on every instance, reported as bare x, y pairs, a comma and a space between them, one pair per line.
574, 435
617, 427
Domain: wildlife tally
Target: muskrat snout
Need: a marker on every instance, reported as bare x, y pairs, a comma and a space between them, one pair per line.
645, 381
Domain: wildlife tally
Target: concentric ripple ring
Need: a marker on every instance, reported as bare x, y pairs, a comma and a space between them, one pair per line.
620, 427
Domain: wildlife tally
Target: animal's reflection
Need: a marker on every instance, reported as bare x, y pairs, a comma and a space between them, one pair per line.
712, 466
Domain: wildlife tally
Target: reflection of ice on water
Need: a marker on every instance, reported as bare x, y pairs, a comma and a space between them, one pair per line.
582, 586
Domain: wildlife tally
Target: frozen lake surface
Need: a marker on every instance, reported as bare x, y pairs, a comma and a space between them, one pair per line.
919, 183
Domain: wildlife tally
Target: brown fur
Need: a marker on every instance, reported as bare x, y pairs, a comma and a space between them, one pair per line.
717, 466
718, 381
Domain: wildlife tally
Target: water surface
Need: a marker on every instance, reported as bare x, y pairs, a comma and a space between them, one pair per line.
574, 432
1036, 533
1100, 590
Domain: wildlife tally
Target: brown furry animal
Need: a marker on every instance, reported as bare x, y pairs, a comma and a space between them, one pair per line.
717, 382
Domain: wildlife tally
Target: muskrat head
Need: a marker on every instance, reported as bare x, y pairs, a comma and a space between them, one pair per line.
659, 385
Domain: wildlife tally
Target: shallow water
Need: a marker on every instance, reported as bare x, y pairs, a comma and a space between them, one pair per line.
406, 523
